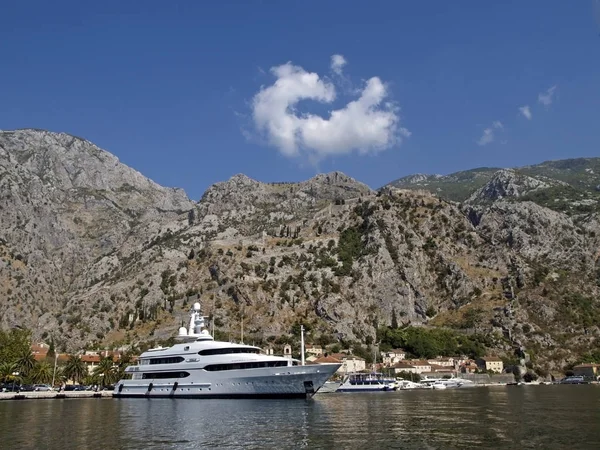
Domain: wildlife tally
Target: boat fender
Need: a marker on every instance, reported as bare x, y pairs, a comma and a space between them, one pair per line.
150, 387
175, 386
121, 388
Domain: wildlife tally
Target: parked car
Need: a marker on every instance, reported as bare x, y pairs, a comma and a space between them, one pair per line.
26, 388
42, 387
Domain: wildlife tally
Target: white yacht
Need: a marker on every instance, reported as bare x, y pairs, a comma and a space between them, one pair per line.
200, 367
367, 382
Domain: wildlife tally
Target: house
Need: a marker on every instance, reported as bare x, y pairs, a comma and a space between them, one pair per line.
39, 351
393, 356
490, 363
421, 366
316, 350
90, 361
326, 360
350, 363
439, 361
589, 371
468, 366
404, 367
441, 370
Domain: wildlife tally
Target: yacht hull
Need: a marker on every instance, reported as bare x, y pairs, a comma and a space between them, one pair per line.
277, 382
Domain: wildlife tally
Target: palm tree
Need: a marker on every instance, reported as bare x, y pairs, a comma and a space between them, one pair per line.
6, 372
75, 369
42, 372
25, 361
124, 362
106, 370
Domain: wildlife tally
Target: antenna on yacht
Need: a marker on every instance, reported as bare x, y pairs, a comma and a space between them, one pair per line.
302, 344
196, 329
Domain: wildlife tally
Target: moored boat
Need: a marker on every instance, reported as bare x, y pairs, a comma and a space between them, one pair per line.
200, 367
367, 382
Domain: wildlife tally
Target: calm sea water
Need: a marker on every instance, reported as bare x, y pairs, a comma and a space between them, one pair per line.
544, 417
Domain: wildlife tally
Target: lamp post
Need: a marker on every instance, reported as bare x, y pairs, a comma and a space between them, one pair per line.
54, 373
302, 343
15, 375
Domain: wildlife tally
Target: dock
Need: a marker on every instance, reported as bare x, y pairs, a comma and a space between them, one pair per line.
48, 395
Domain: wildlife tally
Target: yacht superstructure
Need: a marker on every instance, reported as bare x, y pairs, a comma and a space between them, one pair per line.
200, 367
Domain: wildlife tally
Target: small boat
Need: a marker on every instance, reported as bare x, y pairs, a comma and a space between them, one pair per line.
573, 380
367, 382
446, 383
406, 384
329, 387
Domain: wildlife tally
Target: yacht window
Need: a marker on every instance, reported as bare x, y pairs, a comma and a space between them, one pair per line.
227, 351
172, 360
245, 365
147, 375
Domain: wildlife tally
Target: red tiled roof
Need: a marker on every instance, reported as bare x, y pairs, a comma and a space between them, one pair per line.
491, 359
326, 359
90, 358
401, 365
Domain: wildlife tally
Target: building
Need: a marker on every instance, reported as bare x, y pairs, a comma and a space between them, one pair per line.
491, 364
588, 371
39, 351
404, 367
468, 366
421, 366
350, 363
439, 361
90, 361
326, 360
287, 351
316, 350
393, 357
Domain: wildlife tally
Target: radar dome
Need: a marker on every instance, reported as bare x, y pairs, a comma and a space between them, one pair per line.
196, 306
182, 331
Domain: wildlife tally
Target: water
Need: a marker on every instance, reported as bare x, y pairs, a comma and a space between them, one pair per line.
544, 417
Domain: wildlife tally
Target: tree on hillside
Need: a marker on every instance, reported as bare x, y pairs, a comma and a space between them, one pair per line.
14, 344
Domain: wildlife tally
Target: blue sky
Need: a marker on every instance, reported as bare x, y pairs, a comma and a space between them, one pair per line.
173, 88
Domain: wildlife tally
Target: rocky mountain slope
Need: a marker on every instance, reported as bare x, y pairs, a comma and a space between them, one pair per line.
570, 185
93, 252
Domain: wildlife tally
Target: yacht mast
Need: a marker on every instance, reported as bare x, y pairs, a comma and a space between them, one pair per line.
302, 343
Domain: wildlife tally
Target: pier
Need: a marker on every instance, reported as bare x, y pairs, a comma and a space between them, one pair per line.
48, 395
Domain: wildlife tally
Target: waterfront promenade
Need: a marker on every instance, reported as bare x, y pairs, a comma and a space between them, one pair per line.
53, 394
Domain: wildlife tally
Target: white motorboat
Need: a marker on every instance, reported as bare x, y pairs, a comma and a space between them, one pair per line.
445, 383
367, 382
330, 387
200, 367
406, 384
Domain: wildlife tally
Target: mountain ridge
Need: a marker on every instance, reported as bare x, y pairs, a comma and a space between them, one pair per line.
90, 253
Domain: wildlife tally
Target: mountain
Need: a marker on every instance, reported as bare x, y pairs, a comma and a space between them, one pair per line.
93, 253
571, 185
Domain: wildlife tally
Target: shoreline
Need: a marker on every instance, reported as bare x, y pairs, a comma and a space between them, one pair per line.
50, 395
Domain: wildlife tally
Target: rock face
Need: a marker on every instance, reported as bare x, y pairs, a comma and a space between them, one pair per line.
93, 252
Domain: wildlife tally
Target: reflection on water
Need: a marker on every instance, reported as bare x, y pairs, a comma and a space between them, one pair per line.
499, 417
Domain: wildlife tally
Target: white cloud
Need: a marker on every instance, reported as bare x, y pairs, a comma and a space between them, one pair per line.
367, 124
337, 63
547, 97
488, 135
526, 111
